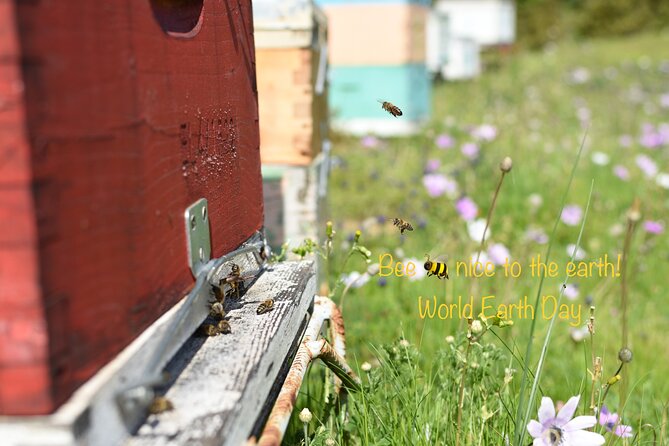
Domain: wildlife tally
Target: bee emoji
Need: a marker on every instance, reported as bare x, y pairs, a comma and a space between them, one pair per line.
435, 268
555, 435
265, 306
223, 327
402, 225
160, 404
390, 108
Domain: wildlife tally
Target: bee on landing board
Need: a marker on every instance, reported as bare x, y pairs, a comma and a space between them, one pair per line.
436, 268
265, 306
402, 225
236, 282
390, 108
217, 310
160, 404
223, 327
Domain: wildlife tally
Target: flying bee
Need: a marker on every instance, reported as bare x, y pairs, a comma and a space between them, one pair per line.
217, 310
436, 268
402, 225
223, 327
160, 404
390, 108
265, 306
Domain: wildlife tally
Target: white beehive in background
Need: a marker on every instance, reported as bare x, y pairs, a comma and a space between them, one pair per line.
436, 45
487, 22
464, 61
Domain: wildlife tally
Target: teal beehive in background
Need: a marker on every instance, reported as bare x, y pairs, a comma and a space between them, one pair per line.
377, 53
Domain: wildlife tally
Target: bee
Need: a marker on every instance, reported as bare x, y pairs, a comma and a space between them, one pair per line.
402, 225
265, 306
160, 404
217, 310
223, 327
435, 268
236, 282
390, 108
210, 330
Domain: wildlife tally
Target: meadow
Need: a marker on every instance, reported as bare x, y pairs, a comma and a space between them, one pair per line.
456, 382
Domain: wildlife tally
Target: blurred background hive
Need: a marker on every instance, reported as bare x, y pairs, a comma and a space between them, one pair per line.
291, 67
378, 53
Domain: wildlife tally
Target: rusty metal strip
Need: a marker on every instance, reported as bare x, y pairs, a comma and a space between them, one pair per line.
310, 348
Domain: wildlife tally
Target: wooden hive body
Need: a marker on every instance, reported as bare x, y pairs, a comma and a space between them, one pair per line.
116, 115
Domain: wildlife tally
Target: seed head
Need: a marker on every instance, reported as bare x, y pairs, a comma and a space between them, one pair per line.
305, 415
625, 355
506, 165
477, 326
634, 213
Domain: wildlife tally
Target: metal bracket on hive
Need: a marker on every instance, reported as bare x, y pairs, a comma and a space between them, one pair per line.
198, 236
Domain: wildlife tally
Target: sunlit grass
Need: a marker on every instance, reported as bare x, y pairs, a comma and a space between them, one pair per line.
540, 112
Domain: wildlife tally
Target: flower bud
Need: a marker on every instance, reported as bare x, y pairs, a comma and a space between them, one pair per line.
366, 366
476, 326
450, 339
506, 165
357, 236
625, 355
305, 415
329, 232
634, 213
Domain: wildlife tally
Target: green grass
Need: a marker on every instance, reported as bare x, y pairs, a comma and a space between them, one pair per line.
534, 108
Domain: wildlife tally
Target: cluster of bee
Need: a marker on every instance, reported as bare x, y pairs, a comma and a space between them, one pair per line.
433, 268
236, 286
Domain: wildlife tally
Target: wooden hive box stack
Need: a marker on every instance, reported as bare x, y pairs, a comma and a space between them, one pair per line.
377, 52
292, 64
116, 116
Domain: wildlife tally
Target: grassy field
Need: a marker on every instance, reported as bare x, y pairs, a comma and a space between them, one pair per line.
536, 109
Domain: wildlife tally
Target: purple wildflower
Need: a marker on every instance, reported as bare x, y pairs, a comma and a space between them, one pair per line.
466, 208
485, 132
498, 254
611, 421
571, 291
370, 141
444, 141
437, 184
470, 150
650, 140
571, 215
647, 165
621, 172
536, 235
569, 431
382, 281
663, 133
432, 165
625, 140
653, 227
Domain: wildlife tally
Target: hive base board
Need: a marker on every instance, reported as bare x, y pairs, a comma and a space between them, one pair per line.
222, 382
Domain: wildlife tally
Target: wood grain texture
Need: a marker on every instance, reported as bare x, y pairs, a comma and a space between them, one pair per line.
221, 383
126, 126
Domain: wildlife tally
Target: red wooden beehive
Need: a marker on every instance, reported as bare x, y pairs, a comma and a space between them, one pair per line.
115, 116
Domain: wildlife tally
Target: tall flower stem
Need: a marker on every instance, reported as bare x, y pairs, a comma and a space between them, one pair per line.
504, 167
633, 216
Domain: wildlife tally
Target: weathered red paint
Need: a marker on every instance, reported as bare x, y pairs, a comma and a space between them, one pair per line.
113, 119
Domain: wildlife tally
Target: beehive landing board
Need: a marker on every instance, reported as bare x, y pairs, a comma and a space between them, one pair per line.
222, 383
